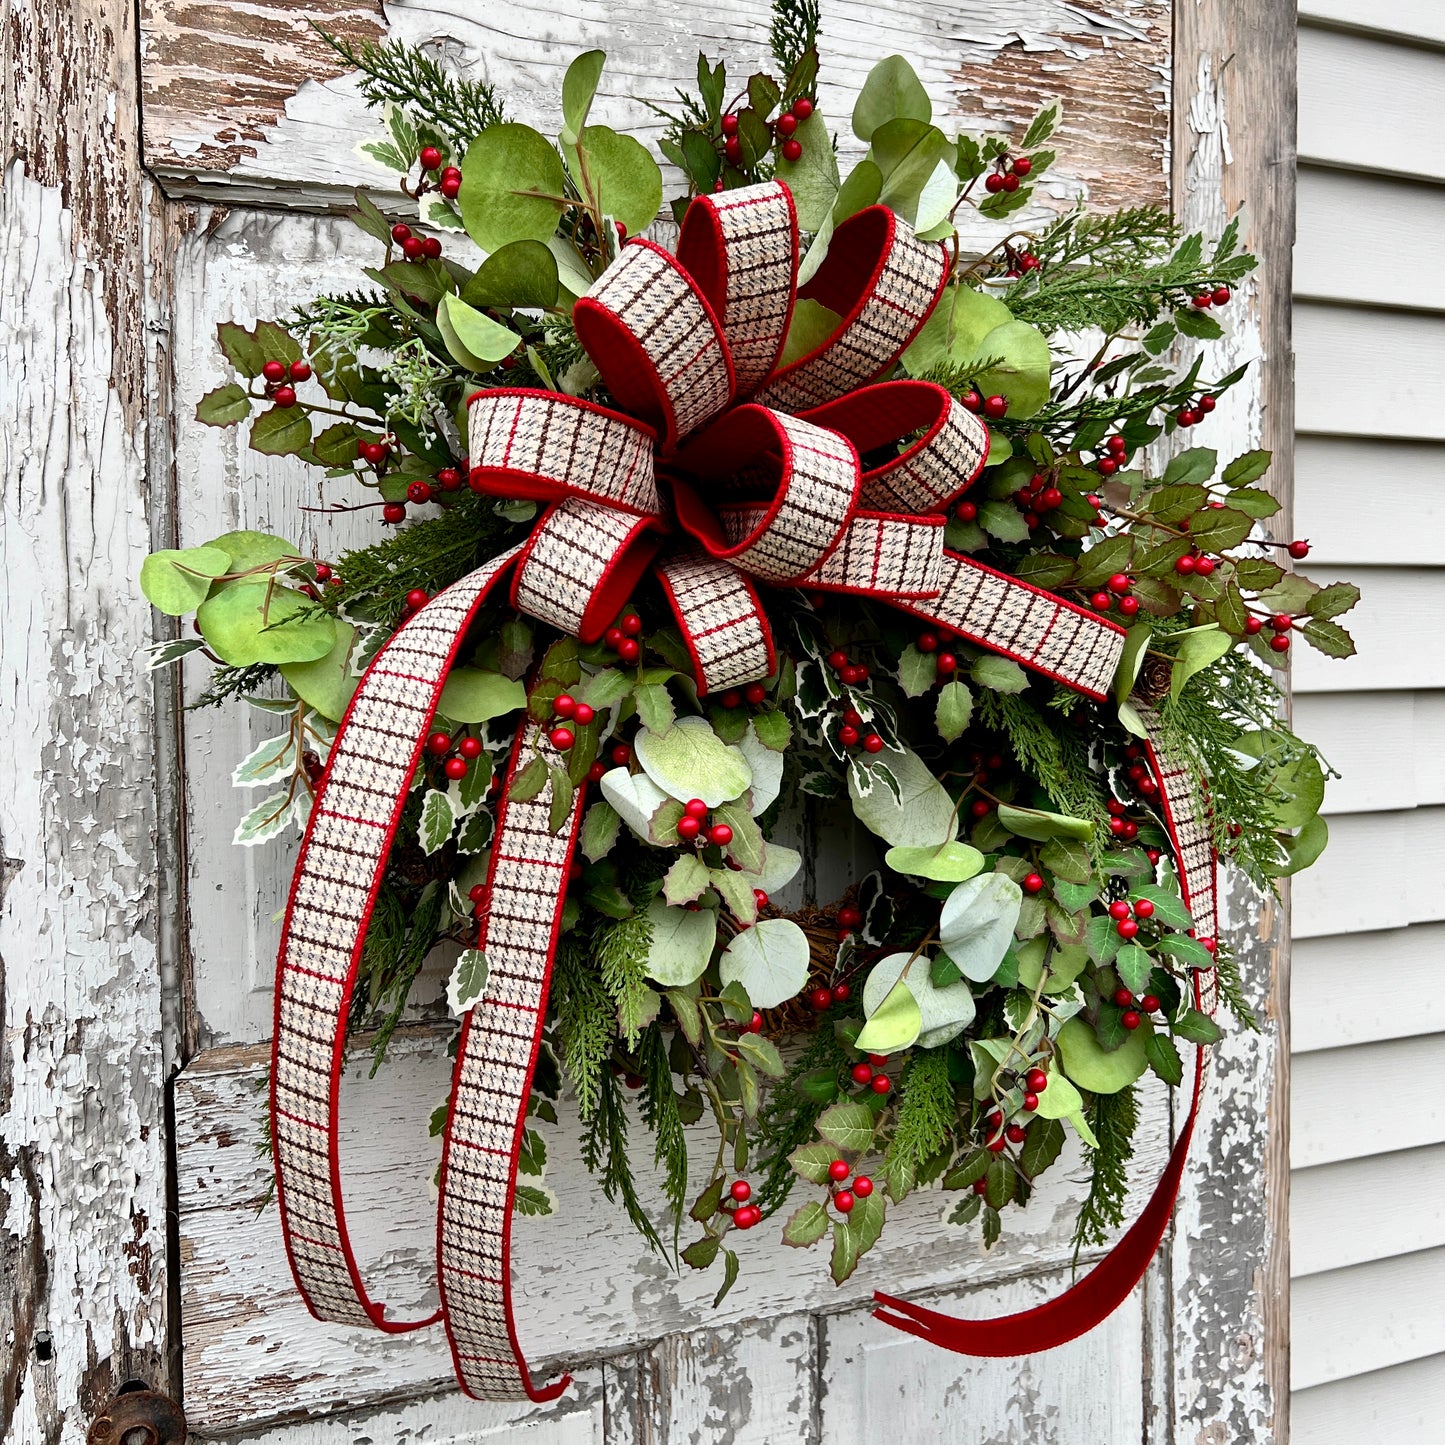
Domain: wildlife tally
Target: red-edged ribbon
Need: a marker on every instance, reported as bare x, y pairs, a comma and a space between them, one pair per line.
719, 470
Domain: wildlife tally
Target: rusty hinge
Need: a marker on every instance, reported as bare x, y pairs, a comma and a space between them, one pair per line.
139, 1416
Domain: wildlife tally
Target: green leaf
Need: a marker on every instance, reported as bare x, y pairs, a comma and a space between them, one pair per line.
327, 684
623, 174
1169, 908
894, 1025
943, 1012
1196, 651
1333, 600
1001, 674
917, 671
267, 820
468, 981
500, 165
1296, 784
1060, 1100
1197, 324
1131, 659
564, 793
177, 582
244, 626
892, 90
680, 945
702, 1252
920, 815
685, 881
770, 960
1043, 1143
954, 332
1023, 373
1185, 950
224, 406
1069, 859
977, 922
1254, 502
730, 1276
522, 273
812, 324
813, 177
955, 705
690, 761
1195, 464
1004, 521
1217, 529
654, 706
1198, 1028
807, 1225
243, 350
1133, 965
272, 759
1043, 125
1164, 1058
1243, 470
950, 863
474, 339
773, 729
529, 782
1040, 826
474, 696
281, 431
579, 85
846, 1126
811, 1161
1300, 851
1093, 1068
762, 1054
1328, 637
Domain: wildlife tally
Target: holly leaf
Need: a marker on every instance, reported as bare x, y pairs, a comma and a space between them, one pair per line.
848, 1126
811, 1161
807, 1225
1328, 637
1133, 964
1198, 1028
281, 431
437, 821
1333, 600
1243, 470
468, 982
955, 705
1043, 1143
1164, 1058
224, 406
1004, 521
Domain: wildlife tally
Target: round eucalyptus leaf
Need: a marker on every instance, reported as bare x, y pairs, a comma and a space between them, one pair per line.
636, 798
177, 582
770, 960
1296, 786
951, 863
624, 176
895, 1024
892, 91
1091, 1067
473, 338
813, 177
254, 549
919, 815
472, 695
327, 684
944, 1013
522, 273
977, 923
767, 769
1023, 374
250, 622
681, 945
579, 85
953, 334
1040, 826
502, 165
690, 761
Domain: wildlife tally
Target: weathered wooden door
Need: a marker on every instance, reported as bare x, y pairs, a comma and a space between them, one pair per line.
181, 166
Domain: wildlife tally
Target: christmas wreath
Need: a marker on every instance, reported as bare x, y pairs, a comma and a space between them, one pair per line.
814, 513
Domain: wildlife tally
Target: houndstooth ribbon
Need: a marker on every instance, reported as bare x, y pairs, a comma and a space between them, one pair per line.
719, 470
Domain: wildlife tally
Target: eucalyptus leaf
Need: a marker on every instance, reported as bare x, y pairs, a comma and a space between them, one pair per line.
328, 684
949, 863
472, 695
501, 166
625, 178
921, 815
176, 582
955, 329
680, 944
1040, 826
473, 338
690, 761
770, 960
1196, 651
813, 177
894, 1024
519, 274
1022, 376
579, 85
1093, 1068
943, 1013
635, 797
977, 922
252, 621
891, 91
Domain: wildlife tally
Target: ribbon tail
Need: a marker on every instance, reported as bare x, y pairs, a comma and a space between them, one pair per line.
722, 620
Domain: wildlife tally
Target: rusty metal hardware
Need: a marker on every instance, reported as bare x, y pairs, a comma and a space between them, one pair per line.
139, 1416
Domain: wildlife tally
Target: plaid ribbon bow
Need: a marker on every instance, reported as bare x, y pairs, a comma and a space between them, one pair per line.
719, 469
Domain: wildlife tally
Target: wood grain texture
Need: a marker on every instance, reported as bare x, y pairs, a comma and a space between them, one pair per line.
1234, 131
83, 1269
589, 1285
244, 102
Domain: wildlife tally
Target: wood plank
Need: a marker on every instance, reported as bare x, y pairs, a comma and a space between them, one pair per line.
1398, 644
1331, 1010
1401, 1403
599, 1294
1389, 747
1381, 870
1367, 104
882, 1384
1418, 20
751, 1384
1344, 216
243, 103
1337, 1110
1362, 1209
1368, 1317
1356, 365
1234, 152
84, 1271
1404, 480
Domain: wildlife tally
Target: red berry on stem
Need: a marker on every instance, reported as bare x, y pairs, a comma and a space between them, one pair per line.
1101, 601
742, 1191
786, 123
470, 748
455, 768
1010, 183
285, 396
1220, 295
997, 1144
1129, 606
393, 512
945, 663
1143, 909
1253, 625
1123, 997
430, 158
439, 744
412, 248
980, 1186
1014, 1134
431, 248
972, 401
760, 899
842, 992
1149, 1003
695, 808
1126, 928
300, 371
1184, 565
1131, 831
561, 738
848, 736
730, 124
733, 149
1031, 1102
274, 371
1037, 1081
595, 772
1131, 1019
400, 232
927, 641
993, 183
837, 659
843, 1201
477, 892
1281, 622
849, 917
1279, 643
802, 107
862, 1073
979, 808
881, 1084
1022, 166
1119, 583
564, 704
872, 743
1205, 566
995, 406
820, 998
792, 150
747, 1216
1207, 944
755, 1024
688, 827
450, 185
629, 649
1205, 404
584, 714
621, 754
1034, 883
418, 492
862, 1186
1299, 550
449, 479
417, 598
720, 834
1107, 466
838, 1169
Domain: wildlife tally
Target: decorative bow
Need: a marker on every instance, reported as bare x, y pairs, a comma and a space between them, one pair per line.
761, 480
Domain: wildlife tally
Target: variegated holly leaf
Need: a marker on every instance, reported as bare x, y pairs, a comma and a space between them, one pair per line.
468, 982
267, 820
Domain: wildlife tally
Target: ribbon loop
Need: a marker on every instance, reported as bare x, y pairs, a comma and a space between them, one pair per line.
722, 620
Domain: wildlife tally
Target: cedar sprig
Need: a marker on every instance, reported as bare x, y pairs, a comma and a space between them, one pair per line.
794, 31
399, 74
604, 1149
585, 1020
926, 1113
1114, 1118
658, 1106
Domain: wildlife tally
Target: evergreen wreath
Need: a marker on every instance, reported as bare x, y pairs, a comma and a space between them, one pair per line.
1024, 952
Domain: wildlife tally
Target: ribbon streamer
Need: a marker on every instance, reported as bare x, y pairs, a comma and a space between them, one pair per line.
717, 472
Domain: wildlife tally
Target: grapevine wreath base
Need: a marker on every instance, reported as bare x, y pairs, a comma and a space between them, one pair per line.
795, 515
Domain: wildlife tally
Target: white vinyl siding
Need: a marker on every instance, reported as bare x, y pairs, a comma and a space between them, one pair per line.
1368, 1016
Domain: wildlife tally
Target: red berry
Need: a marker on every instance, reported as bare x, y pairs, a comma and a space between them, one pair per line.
688, 827
1037, 1081
848, 736
979, 808
449, 479
843, 1201
430, 158
285, 396
1131, 1019
399, 232
439, 744
621, 754
747, 1216
431, 248
1022, 166
730, 699
1107, 466
561, 738
820, 998
596, 771
1119, 583
1010, 183
1281, 622
1143, 909
1031, 1101
945, 663
995, 406
851, 675
862, 1186
1220, 295
1184, 565
451, 186
802, 107
837, 659
1123, 997
730, 124
755, 693
564, 704
742, 1191
849, 917
862, 1073
1279, 643
1031, 520
1202, 301
629, 649
1101, 601
1205, 405
733, 150
412, 248
755, 1024
760, 899
1129, 606
1034, 883
1131, 831
842, 992
695, 808
418, 492
1186, 416
455, 768
927, 642
1299, 550
393, 512
881, 1084
997, 1144
631, 624
417, 598
1117, 445
300, 371
1149, 1003
1014, 1134
477, 892
1207, 944
720, 834
993, 183
1117, 826
872, 743
612, 637
980, 1186
374, 452
972, 400
1253, 625
786, 123
1126, 928
274, 371
838, 1170
1205, 566
584, 714
1050, 498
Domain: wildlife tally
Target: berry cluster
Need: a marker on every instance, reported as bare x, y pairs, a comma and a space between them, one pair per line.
993, 407
1118, 594
1192, 415
1037, 496
280, 378
1135, 1009
449, 182
1218, 297
1006, 176
578, 714
745, 1215
845, 1195
754, 693
416, 248
1120, 825
696, 826
784, 133
624, 637
868, 1074
1113, 453
460, 753
945, 663
1020, 262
